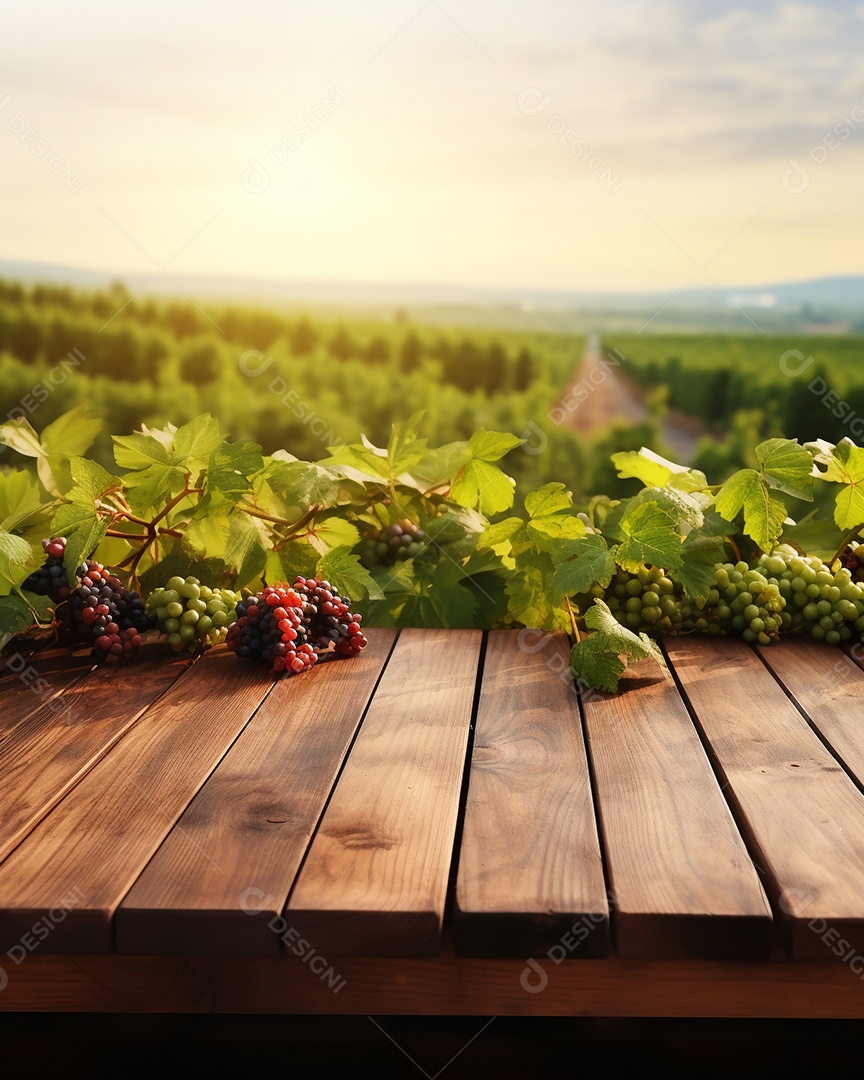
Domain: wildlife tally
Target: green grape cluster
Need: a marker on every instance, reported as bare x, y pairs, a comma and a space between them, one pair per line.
191, 614
781, 592
750, 603
399, 541
829, 606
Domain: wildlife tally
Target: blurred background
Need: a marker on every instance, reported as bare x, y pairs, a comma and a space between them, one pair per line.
596, 227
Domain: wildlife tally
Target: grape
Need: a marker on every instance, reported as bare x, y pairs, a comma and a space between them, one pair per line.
99, 611
293, 627
193, 615
399, 541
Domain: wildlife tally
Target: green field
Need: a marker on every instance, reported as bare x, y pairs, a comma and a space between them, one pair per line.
296, 382
802, 387
305, 381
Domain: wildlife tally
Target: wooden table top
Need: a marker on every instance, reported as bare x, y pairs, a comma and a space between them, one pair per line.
446, 794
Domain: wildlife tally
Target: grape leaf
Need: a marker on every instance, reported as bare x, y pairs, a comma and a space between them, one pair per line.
17, 562
700, 551
816, 536
554, 527
498, 535
18, 434
764, 516
193, 443
445, 529
482, 484
15, 618
334, 532
597, 659
528, 591
593, 565
207, 532
246, 548
787, 466
367, 466
302, 484
230, 467
844, 465
19, 498
182, 562
83, 531
72, 433
491, 445
440, 464
405, 450
548, 500
656, 471
342, 568
651, 537
138, 451
687, 507
151, 486
89, 482
298, 558
444, 586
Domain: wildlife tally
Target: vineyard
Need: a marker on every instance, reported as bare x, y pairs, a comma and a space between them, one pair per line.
801, 387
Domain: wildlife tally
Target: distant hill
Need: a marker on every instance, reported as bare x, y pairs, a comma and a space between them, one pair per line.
837, 303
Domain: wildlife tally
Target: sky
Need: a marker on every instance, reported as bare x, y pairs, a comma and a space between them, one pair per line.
641, 144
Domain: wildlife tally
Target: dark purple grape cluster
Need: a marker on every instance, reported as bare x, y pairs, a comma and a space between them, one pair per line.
291, 627
331, 624
50, 578
401, 540
99, 611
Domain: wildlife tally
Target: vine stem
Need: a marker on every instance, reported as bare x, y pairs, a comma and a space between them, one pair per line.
298, 524
572, 615
845, 541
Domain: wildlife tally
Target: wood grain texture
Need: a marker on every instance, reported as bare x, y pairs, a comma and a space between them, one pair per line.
48, 753
375, 879
438, 986
95, 843
530, 873
682, 880
801, 813
220, 880
31, 682
829, 687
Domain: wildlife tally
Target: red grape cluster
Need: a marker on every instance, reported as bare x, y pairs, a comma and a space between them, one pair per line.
291, 627
99, 611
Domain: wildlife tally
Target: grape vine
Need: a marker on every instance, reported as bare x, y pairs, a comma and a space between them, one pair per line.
208, 542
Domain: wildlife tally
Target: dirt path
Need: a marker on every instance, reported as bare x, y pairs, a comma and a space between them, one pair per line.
599, 394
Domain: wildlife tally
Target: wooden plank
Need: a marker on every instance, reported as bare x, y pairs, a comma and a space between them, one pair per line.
530, 875
438, 986
48, 753
682, 880
801, 813
829, 687
32, 682
98, 840
220, 880
375, 878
